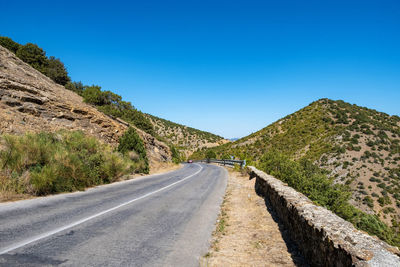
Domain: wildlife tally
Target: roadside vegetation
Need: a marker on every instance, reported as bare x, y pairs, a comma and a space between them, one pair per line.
131, 145
177, 156
48, 163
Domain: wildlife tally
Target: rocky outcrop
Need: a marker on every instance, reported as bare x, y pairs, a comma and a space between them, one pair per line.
30, 101
325, 238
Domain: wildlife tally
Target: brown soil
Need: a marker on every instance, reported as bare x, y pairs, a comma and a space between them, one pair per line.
247, 234
9, 197
161, 167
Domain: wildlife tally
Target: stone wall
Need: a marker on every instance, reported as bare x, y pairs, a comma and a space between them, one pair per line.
324, 238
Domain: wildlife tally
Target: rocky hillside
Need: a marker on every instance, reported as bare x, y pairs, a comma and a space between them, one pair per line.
30, 101
357, 146
185, 138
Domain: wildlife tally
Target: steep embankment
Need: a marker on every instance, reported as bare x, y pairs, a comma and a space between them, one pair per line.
185, 138
359, 147
30, 101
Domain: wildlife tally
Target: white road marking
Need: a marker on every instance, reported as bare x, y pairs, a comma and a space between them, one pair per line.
50, 233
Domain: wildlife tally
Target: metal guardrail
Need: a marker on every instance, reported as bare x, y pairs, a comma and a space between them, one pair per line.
224, 162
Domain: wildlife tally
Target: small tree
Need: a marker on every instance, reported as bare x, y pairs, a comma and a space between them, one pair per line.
226, 156
76, 87
211, 154
93, 95
176, 155
34, 56
56, 71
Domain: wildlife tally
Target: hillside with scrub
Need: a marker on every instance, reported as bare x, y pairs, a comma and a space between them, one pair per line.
186, 139
342, 156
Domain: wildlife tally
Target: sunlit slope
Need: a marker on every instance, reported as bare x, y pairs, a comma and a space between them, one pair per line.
358, 146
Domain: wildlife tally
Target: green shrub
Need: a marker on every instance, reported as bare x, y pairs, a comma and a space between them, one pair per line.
131, 141
34, 56
9, 44
306, 178
225, 156
176, 155
368, 201
112, 104
374, 226
370, 143
383, 201
388, 210
211, 154
76, 87
56, 71
94, 95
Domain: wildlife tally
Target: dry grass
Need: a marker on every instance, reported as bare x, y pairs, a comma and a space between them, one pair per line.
246, 233
48, 163
160, 167
8, 192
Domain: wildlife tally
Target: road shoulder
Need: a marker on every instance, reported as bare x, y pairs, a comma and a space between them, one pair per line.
162, 169
246, 233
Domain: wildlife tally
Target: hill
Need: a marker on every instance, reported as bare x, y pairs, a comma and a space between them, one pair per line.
356, 146
185, 138
32, 102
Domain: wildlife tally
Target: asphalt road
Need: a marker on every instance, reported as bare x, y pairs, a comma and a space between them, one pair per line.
159, 220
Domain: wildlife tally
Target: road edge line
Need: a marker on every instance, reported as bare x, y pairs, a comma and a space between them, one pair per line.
68, 226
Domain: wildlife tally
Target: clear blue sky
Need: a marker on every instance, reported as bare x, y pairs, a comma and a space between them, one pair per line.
229, 67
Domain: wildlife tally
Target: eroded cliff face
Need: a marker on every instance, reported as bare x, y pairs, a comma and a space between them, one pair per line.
31, 102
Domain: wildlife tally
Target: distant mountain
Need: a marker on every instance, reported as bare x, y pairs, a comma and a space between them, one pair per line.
234, 139
359, 147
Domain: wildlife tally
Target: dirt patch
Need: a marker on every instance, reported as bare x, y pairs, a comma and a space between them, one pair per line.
247, 234
160, 167
6, 196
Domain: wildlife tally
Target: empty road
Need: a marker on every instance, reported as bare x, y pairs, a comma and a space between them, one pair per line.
158, 220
